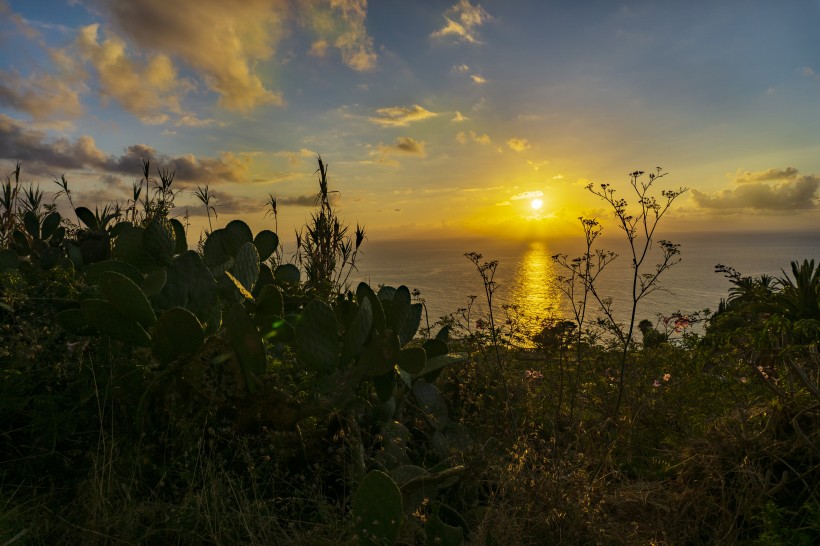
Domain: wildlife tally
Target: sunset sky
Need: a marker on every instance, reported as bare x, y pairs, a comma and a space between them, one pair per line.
436, 118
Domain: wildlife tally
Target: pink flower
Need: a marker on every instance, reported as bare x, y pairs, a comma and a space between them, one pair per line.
656, 383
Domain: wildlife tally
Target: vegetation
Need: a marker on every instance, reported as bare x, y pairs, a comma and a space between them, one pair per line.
153, 394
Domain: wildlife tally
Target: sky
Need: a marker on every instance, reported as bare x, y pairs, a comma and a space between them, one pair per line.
436, 118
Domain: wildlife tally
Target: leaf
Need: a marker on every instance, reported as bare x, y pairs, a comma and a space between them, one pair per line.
88, 218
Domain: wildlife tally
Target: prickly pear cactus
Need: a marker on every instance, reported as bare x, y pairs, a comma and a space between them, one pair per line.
107, 320
127, 298
266, 243
247, 344
246, 265
317, 337
377, 509
177, 332
159, 240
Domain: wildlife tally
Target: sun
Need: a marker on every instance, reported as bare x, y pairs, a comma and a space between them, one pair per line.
536, 204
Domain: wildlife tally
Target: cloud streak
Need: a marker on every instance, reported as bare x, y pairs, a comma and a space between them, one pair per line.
401, 116
43, 156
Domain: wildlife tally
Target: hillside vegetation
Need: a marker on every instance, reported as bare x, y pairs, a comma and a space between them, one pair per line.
156, 389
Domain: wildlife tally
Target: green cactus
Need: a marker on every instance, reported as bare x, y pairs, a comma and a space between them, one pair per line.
412, 360
51, 224
317, 338
270, 307
247, 344
94, 272
154, 282
357, 333
264, 279
177, 333
377, 509
246, 265
180, 239
363, 291
32, 224
431, 404
379, 356
88, 218
238, 234
159, 240
189, 285
128, 247
287, 274
107, 320
440, 533
266, 243
127, 298
214, 250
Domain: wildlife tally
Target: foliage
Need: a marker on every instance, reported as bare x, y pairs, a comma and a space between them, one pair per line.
150, 393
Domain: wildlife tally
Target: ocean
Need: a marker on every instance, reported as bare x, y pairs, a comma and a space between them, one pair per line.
526, 272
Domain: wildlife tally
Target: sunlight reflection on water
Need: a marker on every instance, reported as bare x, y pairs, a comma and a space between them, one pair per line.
533, 292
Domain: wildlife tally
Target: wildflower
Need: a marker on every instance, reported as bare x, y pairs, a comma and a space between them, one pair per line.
681, 323
667, 377
533, 374
656, 383
744, 380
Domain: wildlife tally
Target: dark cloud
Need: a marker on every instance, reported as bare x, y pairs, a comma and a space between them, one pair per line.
770, 190
43, 156
404, 145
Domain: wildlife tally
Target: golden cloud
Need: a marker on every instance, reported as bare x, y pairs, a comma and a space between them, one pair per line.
463, 137
478, 79
221, 40
462, 22
401, 116
518, 144
340, 23
146, 90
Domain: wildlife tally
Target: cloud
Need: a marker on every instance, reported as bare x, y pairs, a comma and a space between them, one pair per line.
296, 158
460, 68
527, 195
45, 157
459, 117
518, 144
223, 41
341, 23
478, 79
401, 116
807, 72
404, 145
147, 90
42, 96
536, 165
770, 190
462, 22
463, 137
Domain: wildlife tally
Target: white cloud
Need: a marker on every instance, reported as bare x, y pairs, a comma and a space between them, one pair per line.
459, 117
340, 24
478, 79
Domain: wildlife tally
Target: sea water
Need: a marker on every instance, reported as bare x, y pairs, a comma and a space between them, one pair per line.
526, 272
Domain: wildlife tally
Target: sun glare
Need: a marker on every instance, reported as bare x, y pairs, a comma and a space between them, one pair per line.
536, 204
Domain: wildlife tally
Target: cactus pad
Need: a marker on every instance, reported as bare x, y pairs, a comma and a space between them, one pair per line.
176, 333
266, 243
127, 298
317, 337
377, 509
